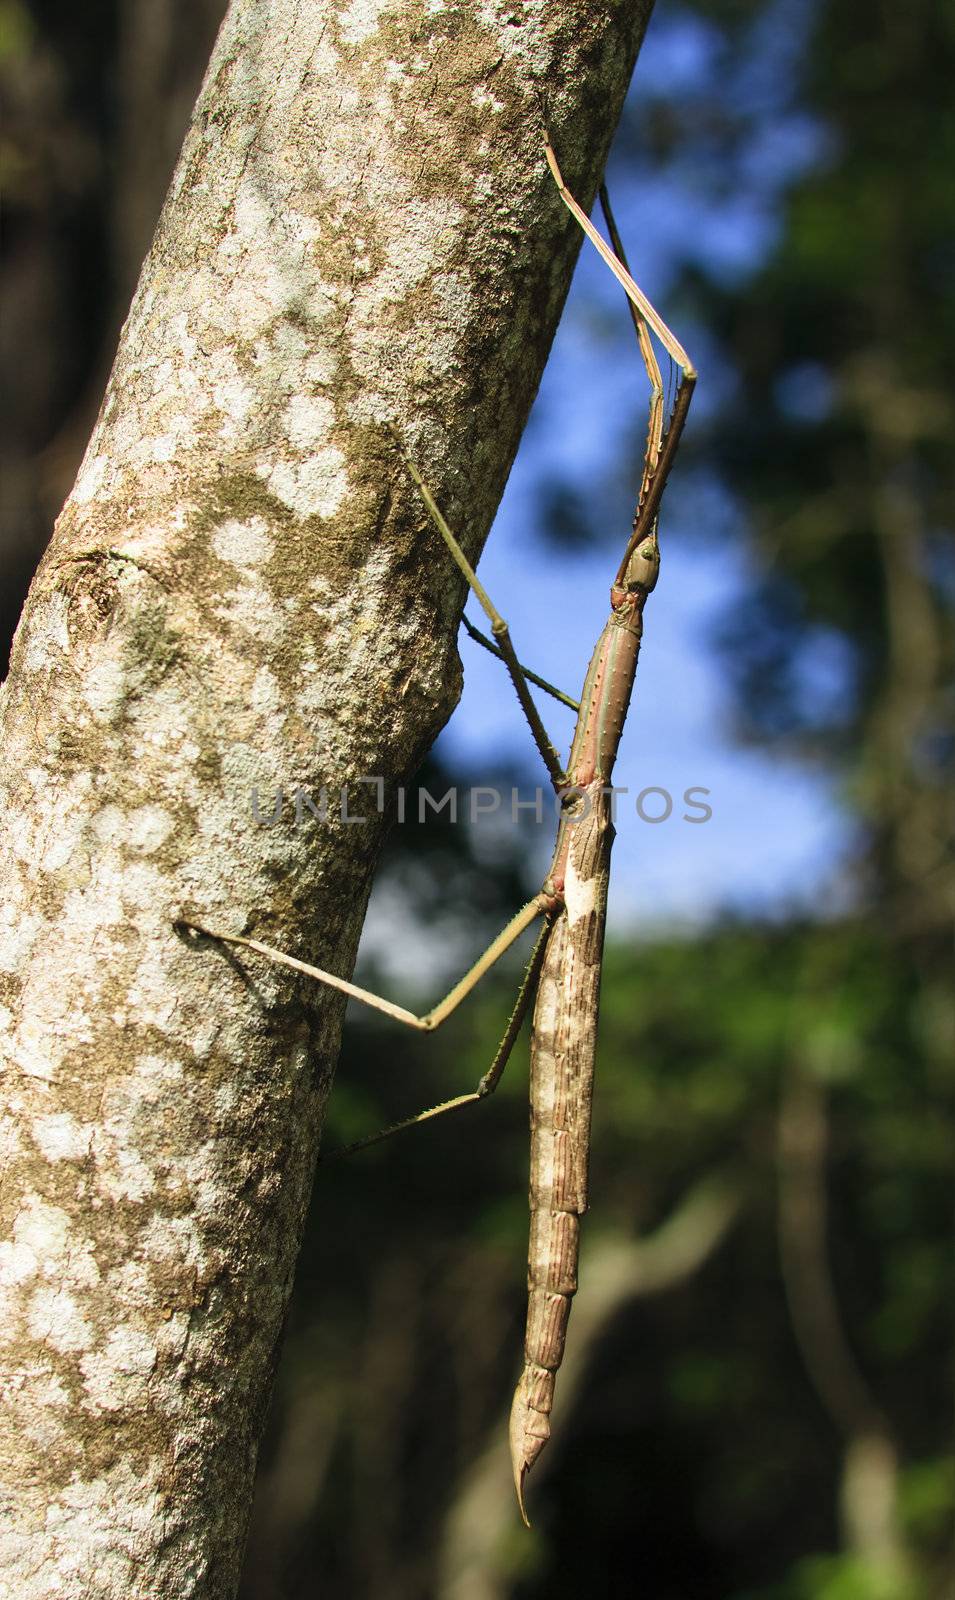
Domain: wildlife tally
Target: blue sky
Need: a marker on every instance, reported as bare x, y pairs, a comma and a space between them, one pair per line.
778, 836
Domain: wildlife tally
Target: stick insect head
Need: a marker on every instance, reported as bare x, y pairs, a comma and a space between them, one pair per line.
643, 566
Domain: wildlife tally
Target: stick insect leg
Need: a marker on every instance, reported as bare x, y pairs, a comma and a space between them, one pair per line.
655, 428
660, 454
499, 630
541, 905
492, 1076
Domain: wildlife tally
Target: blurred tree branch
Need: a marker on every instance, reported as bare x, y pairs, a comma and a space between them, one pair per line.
870, 1461
474, 1563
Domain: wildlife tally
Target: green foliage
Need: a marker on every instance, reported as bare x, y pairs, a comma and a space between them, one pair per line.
696, 1434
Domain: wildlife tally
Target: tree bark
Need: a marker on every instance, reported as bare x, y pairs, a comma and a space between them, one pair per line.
242, 592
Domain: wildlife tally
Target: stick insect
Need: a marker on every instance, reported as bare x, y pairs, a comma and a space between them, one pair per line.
564, 967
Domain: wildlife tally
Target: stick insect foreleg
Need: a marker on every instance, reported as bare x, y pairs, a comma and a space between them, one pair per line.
655, 427
660, 452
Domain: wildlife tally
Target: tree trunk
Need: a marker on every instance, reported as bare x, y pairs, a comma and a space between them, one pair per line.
242, 592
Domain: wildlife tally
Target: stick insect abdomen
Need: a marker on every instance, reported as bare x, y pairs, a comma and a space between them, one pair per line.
563, 1049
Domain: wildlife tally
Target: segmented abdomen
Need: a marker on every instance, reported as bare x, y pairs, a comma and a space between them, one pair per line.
562, 1066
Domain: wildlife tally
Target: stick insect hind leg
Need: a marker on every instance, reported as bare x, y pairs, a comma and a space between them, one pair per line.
492, 1076
542, 905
